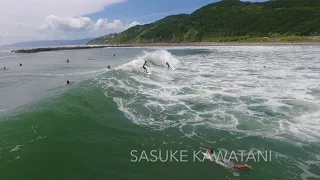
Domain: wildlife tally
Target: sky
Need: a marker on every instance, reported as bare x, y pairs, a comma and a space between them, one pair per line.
28, 20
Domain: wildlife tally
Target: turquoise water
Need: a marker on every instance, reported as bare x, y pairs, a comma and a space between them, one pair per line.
219, 97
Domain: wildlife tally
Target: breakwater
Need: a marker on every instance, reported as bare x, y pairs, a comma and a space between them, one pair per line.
43, 49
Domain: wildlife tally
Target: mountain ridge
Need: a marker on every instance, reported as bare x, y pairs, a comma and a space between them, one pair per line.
231, 20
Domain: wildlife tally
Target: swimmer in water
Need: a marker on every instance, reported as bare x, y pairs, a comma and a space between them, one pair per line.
4, 68
109, 67
145, 64
210, 151
20, 64
169, 67
236, 166
69, 83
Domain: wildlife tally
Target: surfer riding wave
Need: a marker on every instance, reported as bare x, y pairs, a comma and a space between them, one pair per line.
145, 64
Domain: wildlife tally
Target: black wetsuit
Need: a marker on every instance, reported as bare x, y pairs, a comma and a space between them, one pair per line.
145, 64
169, 67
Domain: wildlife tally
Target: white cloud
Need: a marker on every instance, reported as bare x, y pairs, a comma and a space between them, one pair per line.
78, 24
115, 25
4, 33
67, 24
134, 23
22, 18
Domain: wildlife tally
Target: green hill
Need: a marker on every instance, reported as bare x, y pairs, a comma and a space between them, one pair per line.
233, 20
103, 39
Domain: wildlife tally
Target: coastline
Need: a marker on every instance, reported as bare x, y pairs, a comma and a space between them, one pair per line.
221, 44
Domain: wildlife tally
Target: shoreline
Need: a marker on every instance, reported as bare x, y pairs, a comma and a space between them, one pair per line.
221, 44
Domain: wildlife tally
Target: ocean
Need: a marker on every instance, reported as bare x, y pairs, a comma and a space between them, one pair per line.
257, 105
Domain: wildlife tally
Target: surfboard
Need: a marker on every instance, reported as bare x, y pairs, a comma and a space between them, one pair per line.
148, 73
207, 156
172, 68
224, 163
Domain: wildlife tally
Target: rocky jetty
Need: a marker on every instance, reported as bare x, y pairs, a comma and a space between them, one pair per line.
35, 50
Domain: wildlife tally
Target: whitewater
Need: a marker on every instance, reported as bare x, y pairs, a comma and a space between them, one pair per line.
265, 91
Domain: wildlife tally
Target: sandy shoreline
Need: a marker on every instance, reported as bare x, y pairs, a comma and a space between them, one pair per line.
220, 44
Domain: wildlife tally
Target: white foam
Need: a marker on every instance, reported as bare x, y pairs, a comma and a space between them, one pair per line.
15, 149
155, 59
307, 174
227, 89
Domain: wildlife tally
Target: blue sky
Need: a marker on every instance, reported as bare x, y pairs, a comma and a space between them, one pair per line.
147, 11
23, 20
150, 10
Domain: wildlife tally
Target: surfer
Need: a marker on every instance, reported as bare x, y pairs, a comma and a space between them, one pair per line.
20, 64
114, 55
4, 68
68, 60
109, 67
169, 67
145, 64
69, 83
236, 166
210, 151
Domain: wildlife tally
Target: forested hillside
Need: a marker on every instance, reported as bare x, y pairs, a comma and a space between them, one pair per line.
231, 20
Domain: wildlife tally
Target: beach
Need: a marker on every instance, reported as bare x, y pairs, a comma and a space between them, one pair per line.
225, 44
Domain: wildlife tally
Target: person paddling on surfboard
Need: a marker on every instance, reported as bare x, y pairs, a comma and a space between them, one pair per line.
145, 64
210, 151
237, 166
69, 83
169, 67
